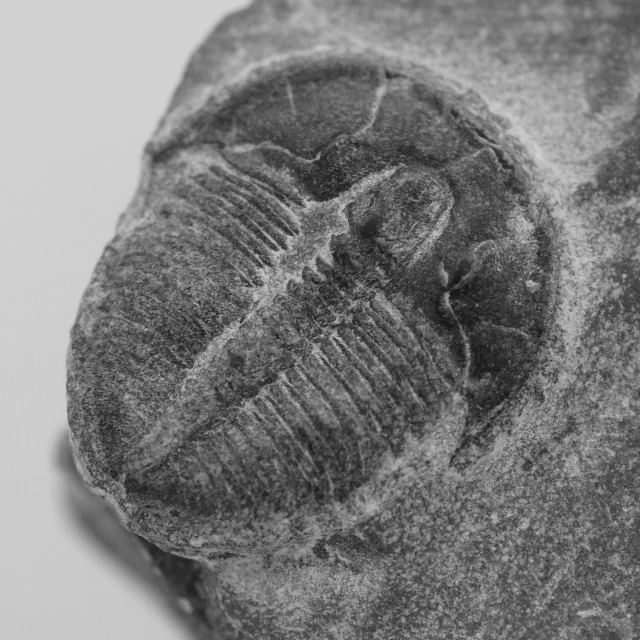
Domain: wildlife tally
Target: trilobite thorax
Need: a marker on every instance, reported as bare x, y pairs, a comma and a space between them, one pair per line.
323, 264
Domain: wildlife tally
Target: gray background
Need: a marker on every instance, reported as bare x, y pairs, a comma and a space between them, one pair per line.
82, 87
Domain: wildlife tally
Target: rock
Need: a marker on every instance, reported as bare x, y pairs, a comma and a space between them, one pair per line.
361, 359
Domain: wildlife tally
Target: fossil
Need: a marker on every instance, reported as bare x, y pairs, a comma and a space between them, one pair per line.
340, 351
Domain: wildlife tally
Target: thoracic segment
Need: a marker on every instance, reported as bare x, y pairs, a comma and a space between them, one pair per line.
347, 396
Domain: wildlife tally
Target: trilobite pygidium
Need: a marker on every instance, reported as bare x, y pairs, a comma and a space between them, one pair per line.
321, 265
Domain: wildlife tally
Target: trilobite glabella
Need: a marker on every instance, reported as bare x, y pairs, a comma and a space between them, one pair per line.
320, 267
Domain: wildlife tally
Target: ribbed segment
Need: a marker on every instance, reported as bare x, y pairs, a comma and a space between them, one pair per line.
313, 429
247, 219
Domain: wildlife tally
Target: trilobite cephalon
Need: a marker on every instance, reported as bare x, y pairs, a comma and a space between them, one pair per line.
319, 267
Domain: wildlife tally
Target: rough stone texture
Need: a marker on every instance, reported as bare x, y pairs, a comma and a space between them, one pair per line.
360, 362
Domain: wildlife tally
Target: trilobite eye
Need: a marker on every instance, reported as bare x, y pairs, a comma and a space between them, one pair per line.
328, 262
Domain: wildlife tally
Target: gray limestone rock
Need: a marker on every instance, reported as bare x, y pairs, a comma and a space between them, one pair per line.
360, 361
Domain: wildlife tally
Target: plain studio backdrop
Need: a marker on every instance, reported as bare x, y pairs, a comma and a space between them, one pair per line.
83, 85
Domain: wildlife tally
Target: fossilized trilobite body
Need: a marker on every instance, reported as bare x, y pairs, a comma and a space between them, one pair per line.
324, 265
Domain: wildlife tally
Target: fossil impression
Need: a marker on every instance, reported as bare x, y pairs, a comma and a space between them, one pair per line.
360, 360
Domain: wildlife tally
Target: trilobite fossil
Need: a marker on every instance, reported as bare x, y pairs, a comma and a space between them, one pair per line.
340, 295
322, 266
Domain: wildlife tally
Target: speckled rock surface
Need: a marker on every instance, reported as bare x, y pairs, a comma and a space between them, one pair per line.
361, 360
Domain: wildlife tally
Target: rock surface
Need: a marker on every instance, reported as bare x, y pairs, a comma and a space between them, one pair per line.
402, 237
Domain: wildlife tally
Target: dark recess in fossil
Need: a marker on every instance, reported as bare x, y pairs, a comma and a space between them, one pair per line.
329, 261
